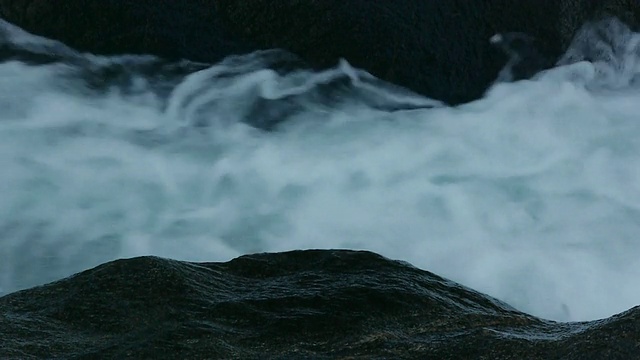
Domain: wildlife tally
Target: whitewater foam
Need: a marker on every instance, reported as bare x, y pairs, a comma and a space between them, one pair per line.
531, 194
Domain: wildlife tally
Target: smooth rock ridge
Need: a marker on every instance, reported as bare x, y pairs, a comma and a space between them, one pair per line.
322, 304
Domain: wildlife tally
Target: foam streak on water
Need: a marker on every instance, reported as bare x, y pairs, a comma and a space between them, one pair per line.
531, 194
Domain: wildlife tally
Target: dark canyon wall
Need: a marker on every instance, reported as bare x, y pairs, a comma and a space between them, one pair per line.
437, 48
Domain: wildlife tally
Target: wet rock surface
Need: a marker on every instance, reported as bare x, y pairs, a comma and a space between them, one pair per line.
324, 304
171, 29
441, 49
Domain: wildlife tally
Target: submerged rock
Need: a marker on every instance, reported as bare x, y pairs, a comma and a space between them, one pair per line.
323, 304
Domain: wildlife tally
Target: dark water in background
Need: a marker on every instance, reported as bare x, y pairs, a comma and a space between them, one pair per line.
531, 194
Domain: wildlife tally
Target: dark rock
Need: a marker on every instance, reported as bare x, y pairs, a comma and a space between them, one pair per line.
437, 48
171, 29
304, 304
524, 58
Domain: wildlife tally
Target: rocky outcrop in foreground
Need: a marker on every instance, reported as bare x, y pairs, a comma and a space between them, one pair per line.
323, 304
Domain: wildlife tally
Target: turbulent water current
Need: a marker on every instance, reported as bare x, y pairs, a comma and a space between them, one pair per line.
530, 194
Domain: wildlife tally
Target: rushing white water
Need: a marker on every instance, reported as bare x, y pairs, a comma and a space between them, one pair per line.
531, 194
